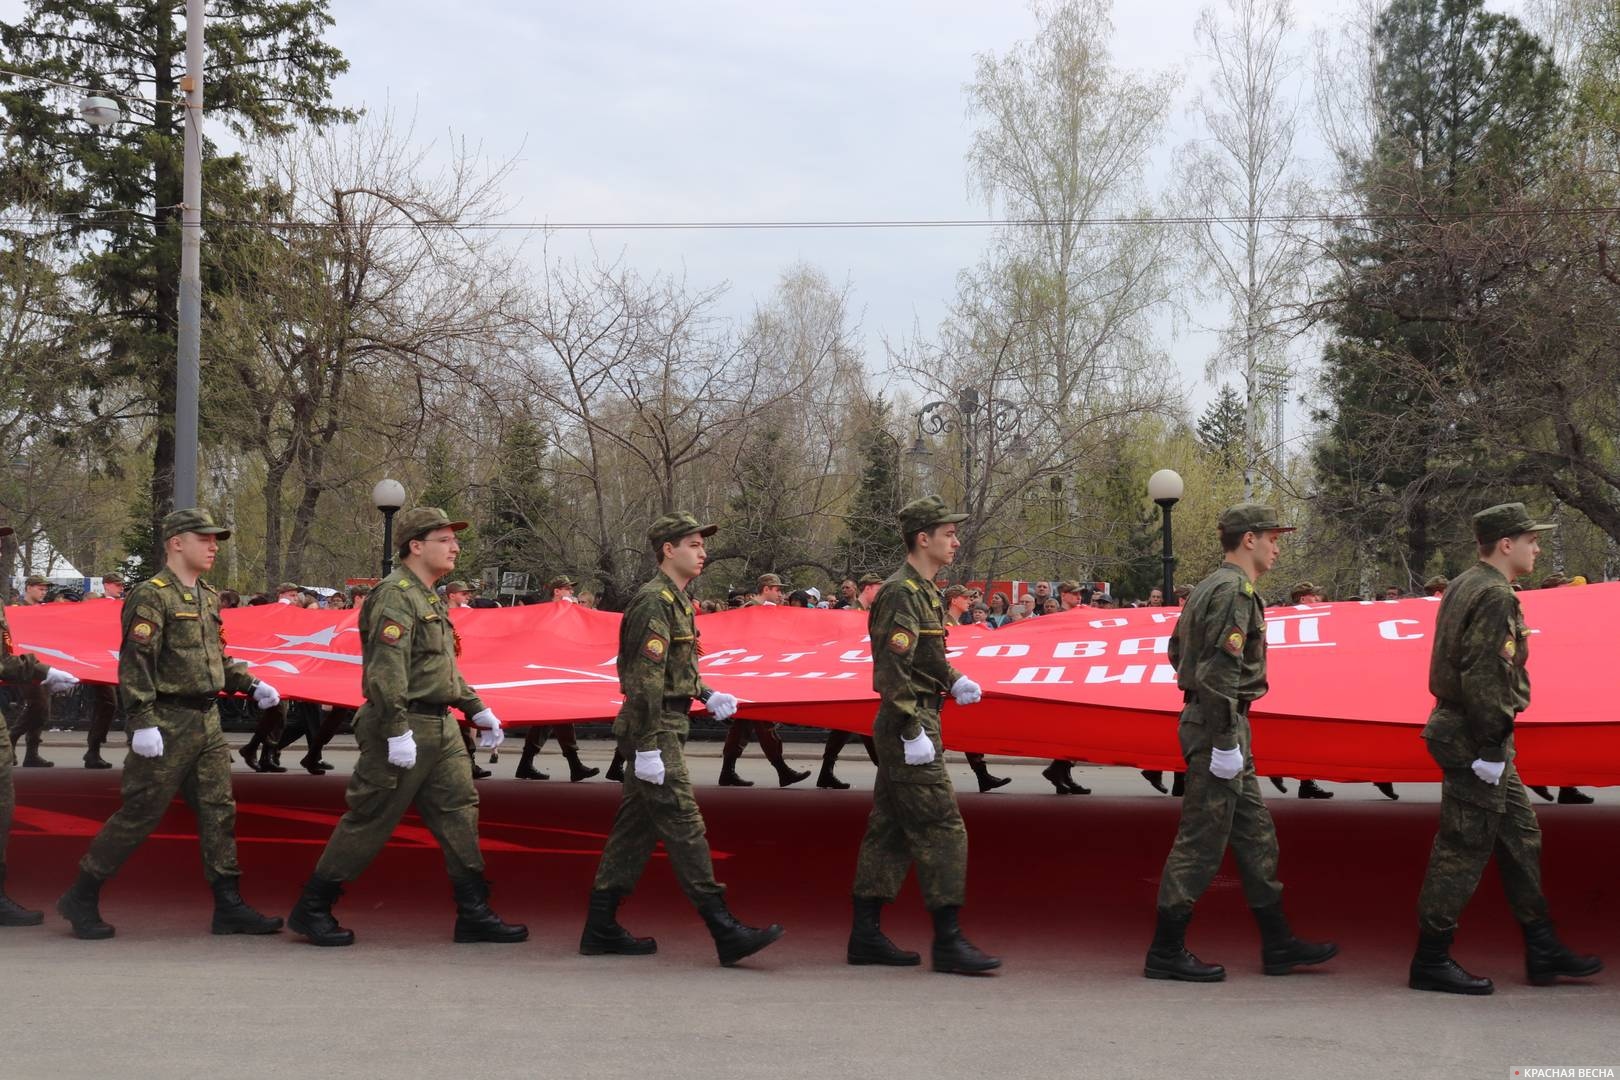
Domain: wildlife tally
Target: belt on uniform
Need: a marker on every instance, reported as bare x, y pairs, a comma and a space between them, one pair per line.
932, 701
426, 708
1190, 697
679, 702
200, 702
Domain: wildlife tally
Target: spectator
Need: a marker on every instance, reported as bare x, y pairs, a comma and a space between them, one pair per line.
998, 610
1155, 597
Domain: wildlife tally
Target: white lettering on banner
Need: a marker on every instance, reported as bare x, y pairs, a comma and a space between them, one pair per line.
1307, 630
1164, 673
1079, 650
1134, 645
1047, 676
1015, 648
788, 658
1390, 630
1108, 624
856, 656
717, 658
1165, 616
1133, 673
787, 675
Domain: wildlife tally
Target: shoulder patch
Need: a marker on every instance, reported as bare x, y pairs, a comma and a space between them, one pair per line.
392, 632
910, 584
900, 641
142, 631
655, 648
159, 582
404, 583
667, 595
1232, 641
1248, 588
1510, 649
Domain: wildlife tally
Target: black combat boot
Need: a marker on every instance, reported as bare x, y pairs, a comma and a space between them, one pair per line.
603, 934
1169, 958
81, 906
1282, 952
1155, 777
1178, 785
1574, 796
1434, 969
577, 769
987, 781
1546, 959
953, 953
787, 775
13, 913
868, 944
312, 916
476, 922
1277, 782
728, 773
1057, 776
1388, 791
1543, 792
94, 760
270, 760
828, 779
615, 771
233, 916
526, 769
733, 940
1310, 789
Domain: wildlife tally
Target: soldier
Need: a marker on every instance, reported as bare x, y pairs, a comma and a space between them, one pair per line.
958, 599
914, 815
1305, 592
562, 592
171, 668
1478, 673
658, 676
1568, 796
411, 752
837, 739
767, 593
1219, 653
290, 594
19, 668
36, 699
1435, 586
458, 594
103, 697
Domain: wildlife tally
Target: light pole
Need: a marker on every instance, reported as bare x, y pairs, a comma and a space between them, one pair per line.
388, 496
1165, 488
1001, 419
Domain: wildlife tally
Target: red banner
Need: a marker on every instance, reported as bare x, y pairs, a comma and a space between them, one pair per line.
1349, 682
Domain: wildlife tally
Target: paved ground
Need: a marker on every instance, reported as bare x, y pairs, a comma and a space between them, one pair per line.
1062, 888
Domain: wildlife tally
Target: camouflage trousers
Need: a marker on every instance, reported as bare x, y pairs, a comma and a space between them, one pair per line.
1217, 814
439, 786
653, 813
914, 820
32, 717
8, 798
1476, 821
196, 765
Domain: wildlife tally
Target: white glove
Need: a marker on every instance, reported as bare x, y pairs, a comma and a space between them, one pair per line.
490, 734
265, 696
1226, 763
723, 706
402, 751
56, 680
966, 691
919, 751
147, 742
1489, 771
650, 766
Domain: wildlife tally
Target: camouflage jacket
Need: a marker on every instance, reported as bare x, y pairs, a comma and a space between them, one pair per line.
173, 646
658, 651
408, 650
907, 629
1477, 670
15, 667
1219, 650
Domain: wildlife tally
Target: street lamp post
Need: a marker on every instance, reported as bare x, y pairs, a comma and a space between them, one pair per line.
1165, 488
388, 496
1000, 420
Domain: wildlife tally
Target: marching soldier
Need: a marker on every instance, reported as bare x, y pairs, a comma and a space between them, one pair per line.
171, 668
27, 669
1478, 673
658, 676
562, 592
36, 700
836, 739
411, 752
104, 698
1305, 592
958, 598
767, 593
1219, 653
914, 817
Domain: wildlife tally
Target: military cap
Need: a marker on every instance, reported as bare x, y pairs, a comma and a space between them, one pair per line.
953, 591
1554, 581
112, 577
671, 527
36, 579
1506, 519
1251, 517
1302, 589
926, 513
1439, 582
458, 586
418, 521
360, 590
288, 586
561, 581
870, 579
1069, 587
194, 520
768, 581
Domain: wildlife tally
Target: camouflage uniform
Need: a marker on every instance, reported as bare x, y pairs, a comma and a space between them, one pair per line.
1479, 678
1219, 653
410, 680
914, 814
26, 669
171, 668
658, 676
35, 713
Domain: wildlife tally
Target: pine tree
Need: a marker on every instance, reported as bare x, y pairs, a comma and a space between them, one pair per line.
1220, 429
871, 542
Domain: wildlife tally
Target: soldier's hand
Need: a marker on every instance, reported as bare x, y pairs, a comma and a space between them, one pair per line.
265, 696
919, 751
56, 680
1489, 771
723, 706
1226, 763
147, 742
490, 734
402, 751
650, 766
966, 691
